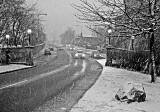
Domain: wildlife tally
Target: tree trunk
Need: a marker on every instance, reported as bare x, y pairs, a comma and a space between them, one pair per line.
152, 66
146, 68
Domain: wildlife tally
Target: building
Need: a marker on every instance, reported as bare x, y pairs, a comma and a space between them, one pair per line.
87, 41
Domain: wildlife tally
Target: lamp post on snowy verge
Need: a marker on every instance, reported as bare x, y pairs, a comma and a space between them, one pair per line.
29, 58
132, 42
7, 38
7, 50
108, 48
29, 31
109, 37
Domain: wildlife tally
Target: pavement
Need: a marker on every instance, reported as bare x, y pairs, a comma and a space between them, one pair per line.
101, 96
12, 67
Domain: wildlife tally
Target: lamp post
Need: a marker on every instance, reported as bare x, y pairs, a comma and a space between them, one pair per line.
7, 50
108, 48
29, 31
7, 37
132, 42
109, 38
29, 58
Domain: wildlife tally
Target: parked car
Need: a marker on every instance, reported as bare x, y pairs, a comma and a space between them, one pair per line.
79, 55
47, 52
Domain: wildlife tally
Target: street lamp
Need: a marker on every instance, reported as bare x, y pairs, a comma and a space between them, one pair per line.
7, 37
7, 50
29, 58
132, 42
108, 48
109, 32
29, 31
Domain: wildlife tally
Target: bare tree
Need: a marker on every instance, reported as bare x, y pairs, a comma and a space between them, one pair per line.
68, 36
136, 17
15, 18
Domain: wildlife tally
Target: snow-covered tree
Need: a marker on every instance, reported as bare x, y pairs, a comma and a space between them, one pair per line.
135, 17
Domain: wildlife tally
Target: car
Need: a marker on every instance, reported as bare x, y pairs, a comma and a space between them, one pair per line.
59, 48
96, 55
71, 48
51, 49
79, 55
47, 52
93, 47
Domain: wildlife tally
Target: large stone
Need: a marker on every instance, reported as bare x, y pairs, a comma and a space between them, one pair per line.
131, 92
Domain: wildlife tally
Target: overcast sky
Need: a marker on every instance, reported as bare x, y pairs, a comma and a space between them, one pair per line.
60, 16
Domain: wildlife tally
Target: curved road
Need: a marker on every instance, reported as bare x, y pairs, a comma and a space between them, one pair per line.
24, 90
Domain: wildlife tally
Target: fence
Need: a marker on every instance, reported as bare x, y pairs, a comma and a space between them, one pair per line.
130, 59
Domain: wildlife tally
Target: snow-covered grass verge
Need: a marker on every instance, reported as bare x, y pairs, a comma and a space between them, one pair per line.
12, 67
101, 97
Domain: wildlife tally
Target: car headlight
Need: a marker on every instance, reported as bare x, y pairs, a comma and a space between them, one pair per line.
76, 55
83, 55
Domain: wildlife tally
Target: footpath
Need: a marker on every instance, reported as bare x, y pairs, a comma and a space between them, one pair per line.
15, 67
12, 67
101, 96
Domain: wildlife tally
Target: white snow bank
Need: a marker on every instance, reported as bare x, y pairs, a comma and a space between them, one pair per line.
101, 96
12, 67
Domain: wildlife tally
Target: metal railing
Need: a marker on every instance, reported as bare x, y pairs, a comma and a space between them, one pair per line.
127, 58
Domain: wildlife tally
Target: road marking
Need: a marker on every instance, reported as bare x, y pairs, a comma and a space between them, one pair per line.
76, 74
76, 63
63, 108
26, 81
14, 84
84, 66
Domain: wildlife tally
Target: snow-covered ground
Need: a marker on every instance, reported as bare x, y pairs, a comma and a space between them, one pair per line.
11, 67
101, 96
